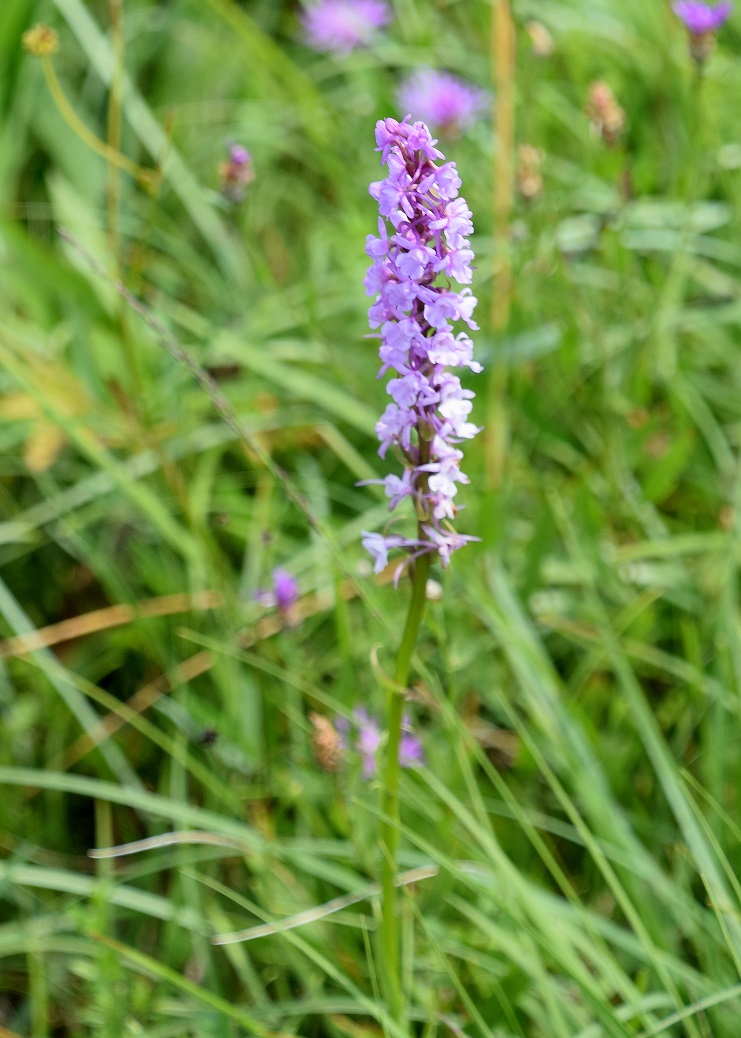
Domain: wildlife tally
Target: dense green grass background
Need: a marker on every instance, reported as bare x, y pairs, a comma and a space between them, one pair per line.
579, 682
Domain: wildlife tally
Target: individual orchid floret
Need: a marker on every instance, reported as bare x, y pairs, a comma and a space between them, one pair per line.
422, 248
378, 547
339, 26
283, 595
444, 101
702, 22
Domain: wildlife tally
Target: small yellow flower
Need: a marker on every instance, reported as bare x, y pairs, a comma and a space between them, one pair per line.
41, 41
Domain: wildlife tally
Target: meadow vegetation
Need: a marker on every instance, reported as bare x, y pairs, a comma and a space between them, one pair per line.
570, 849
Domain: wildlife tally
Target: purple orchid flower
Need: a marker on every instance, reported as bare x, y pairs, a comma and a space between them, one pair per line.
425, 248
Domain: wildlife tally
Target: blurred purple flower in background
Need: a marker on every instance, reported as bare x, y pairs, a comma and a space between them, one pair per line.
700, 18
239, 155
411, 754
236, 173
368, 740
442, 100
702, 22
340, 26
284, 594
286, 589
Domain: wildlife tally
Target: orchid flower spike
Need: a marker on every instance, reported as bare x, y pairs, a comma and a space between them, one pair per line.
415, 260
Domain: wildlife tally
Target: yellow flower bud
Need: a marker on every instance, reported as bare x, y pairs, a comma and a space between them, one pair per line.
41, 41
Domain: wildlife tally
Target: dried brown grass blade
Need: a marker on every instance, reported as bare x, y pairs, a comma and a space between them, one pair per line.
105, 619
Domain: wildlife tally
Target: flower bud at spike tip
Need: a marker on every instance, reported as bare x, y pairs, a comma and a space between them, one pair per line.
414, 261
41, 41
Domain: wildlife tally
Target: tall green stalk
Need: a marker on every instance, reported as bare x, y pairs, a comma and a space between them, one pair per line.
390, 823
503, 127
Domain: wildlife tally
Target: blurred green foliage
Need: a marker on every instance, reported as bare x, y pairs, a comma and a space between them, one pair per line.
579, 682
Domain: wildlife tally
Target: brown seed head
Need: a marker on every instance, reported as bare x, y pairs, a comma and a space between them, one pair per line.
529, 180
604, 113
41, 41
541, 40
727, 517
326, 743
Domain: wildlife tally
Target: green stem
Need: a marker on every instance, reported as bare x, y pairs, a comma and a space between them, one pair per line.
390, 806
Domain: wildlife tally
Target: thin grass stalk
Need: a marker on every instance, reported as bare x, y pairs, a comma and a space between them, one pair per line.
137, 381
113, 196
503, 126
114, 131
147, 177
